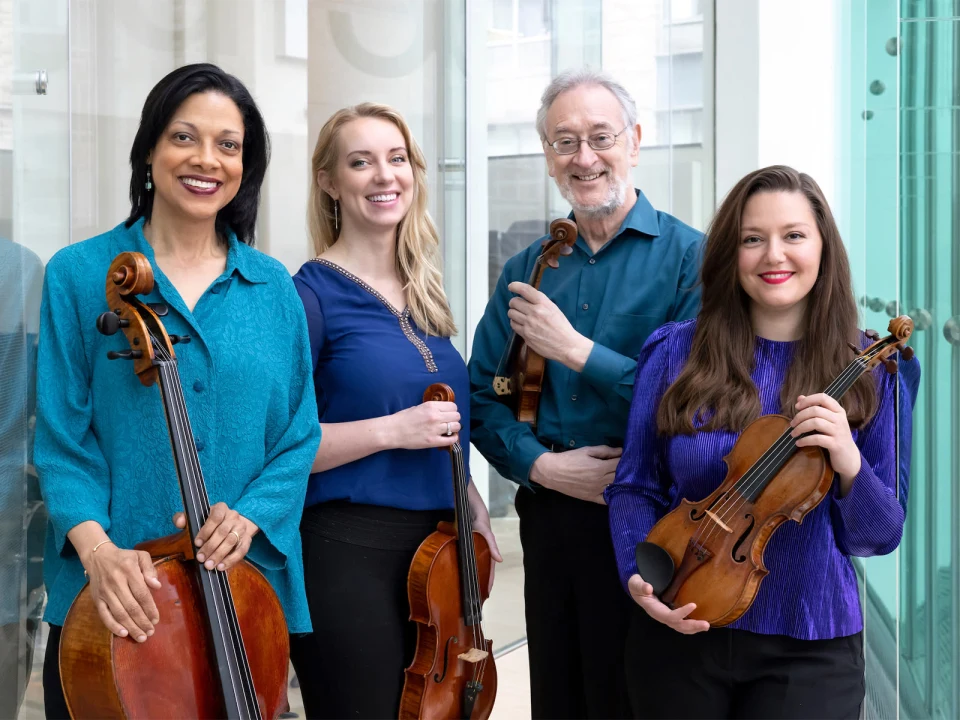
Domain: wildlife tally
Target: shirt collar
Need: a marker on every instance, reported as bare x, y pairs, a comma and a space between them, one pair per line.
642, 218
240, 257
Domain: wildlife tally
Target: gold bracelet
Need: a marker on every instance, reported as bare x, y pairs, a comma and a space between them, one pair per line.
102, 542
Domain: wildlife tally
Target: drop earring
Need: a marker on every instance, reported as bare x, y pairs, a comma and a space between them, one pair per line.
149, 184
336, 213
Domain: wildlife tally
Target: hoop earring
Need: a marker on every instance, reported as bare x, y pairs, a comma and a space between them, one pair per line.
149, 183
336, 213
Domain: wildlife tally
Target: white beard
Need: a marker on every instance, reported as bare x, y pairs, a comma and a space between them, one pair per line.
616, 197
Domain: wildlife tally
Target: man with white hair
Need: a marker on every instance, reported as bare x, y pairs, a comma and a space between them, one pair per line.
632, 269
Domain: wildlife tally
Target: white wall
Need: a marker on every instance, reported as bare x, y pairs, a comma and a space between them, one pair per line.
776, 89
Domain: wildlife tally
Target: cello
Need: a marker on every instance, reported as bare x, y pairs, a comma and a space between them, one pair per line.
222, 648
711, 552
522, 381
453, 674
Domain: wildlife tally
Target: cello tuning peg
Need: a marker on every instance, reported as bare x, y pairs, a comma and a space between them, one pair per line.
907, 353
124, 354
109, 323
159, 308
891, 366
872, 334
174, 339
856, 350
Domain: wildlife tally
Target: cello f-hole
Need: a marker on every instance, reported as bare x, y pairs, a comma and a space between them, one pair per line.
438, 677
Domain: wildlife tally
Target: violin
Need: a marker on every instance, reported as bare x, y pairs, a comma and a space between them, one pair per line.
711, 552
221, 648
453, 674
522, 381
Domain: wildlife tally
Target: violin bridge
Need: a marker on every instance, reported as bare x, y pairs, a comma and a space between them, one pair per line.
502, 385
717, 520
473, 655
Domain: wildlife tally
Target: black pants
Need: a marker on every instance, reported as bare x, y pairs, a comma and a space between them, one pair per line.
54, 704
726, 673
576, 610
356, 559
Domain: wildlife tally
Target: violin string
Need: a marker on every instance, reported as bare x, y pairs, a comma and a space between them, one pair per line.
785, 445
473, 577
468, 571
227, 625
757, 474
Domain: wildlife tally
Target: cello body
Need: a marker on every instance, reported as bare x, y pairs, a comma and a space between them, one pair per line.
434, 681
172, 673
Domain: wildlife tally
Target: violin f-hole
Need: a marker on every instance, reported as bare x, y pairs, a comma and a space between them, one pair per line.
438, 677
697, 516
743, 537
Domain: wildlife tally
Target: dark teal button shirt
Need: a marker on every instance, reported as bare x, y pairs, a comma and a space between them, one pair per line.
642, 278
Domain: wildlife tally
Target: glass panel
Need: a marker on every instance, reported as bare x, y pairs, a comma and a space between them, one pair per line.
914, 9
930, 288
34, 223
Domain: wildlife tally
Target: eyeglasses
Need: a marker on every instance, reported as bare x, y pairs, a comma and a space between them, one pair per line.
601, 141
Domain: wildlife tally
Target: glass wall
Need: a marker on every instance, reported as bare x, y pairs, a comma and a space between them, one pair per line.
901, 174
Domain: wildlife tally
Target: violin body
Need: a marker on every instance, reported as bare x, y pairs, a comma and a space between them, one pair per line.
531, 370
720, 568
173, 674
436, 679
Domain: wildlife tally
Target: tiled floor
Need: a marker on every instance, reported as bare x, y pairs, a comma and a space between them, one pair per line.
503, 623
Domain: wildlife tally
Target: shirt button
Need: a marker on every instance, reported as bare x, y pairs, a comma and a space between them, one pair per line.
586, 306
573, 397
571, 443
592, 261
198, 386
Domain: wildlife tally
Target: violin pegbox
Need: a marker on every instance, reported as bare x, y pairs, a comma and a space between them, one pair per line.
563, 234
882, 349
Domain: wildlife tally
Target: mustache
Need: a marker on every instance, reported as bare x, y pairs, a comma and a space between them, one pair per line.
592, 171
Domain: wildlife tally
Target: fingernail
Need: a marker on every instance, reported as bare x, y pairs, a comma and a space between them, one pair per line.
142, 638
150, 633
123, 633
198, 542
201, 557
155, 620
221, 566
208, 564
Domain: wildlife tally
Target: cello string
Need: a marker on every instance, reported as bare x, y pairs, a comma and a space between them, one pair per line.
199, 500
469, 553
465, 537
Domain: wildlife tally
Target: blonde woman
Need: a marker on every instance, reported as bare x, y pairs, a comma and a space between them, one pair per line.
380, 329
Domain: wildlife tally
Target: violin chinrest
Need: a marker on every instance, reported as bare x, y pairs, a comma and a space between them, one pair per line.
655, 566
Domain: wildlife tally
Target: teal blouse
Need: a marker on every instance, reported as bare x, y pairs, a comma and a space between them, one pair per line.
102, 449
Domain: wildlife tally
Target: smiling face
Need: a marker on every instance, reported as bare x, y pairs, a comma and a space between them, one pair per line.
779, 255
197, 163
374, 178
594, 182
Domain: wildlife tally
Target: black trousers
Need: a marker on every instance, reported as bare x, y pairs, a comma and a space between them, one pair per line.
356, 559
54, 703
576, 610
725, 673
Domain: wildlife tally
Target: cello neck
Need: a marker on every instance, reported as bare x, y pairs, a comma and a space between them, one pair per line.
466, 554
236, 682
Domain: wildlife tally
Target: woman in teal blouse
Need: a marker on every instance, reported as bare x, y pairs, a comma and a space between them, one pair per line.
102, 449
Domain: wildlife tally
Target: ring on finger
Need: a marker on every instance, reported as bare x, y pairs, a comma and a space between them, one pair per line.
449, 432
234, 532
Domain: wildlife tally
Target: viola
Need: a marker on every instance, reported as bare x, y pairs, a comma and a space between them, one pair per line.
453, 674
711, 552
522, 381
221, 648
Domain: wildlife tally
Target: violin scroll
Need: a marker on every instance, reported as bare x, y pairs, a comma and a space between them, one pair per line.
563, 234
900, 329
438, 392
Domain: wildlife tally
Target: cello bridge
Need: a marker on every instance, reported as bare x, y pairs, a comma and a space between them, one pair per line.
502, 385
473, 655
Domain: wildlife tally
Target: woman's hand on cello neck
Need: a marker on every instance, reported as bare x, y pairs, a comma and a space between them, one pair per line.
225, 538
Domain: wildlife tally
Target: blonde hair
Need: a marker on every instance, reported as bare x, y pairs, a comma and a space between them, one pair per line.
418, 243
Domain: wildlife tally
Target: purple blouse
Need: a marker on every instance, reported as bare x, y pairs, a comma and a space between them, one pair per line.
811, 591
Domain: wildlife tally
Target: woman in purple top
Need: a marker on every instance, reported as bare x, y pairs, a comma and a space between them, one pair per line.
778, 310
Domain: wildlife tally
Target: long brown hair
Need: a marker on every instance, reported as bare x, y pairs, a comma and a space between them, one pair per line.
715, 388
